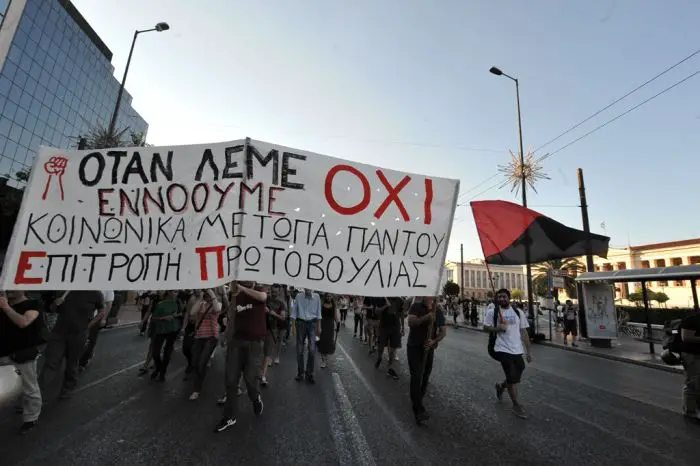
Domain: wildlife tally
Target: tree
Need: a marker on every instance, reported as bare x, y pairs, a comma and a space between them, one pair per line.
517, 294
660, 297
451, 289
540, 277
636, 297
489, 294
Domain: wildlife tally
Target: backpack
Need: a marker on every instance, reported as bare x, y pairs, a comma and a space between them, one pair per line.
672, 339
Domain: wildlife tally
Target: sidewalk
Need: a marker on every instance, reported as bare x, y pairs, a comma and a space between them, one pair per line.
625, 349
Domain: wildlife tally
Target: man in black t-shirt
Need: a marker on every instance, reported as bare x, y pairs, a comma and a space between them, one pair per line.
690, 334
390, 332
21, 326
420, 348
76, 309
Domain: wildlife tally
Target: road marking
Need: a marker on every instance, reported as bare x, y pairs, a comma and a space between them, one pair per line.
363, 454
87, 427
618, 438
107, 377
403, 433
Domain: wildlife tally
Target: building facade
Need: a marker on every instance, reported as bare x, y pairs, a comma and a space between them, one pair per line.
684, 252
56, 82
476, 277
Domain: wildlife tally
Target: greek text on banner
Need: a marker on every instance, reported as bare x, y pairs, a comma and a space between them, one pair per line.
200, 216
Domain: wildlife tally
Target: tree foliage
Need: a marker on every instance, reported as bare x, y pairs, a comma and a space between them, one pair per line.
517, 294
540, 277
451, 289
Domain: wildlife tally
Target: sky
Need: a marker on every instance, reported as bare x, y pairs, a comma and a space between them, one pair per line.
406, 83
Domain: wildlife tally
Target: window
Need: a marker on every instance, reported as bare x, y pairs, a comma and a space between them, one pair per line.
15, 132
26, 138
21, 116
660, 263
645, 264
15, 93
676, 261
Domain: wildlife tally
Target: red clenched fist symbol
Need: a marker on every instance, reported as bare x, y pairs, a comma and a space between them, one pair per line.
56, 166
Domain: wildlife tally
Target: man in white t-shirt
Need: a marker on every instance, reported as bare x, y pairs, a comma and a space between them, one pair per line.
512, 341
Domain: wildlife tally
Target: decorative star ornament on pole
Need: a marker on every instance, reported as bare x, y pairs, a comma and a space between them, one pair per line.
513, 172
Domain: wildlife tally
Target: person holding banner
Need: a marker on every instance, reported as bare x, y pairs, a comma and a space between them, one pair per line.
426, 323
76, 310
306, 318
206, 338
244, 351
21, 327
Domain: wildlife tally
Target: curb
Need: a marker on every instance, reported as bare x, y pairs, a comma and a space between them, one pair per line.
611, 357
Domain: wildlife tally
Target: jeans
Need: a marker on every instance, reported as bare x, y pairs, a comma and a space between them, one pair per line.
691, 387
161, 357
419, 374
242, 358
358, 322
89, 352
202, 348
59, 347
31, 393
306, 329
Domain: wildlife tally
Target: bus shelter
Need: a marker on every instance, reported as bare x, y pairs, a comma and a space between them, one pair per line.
644, 276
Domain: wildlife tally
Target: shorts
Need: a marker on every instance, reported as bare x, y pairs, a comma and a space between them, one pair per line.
513, 366
390, 338
570, 327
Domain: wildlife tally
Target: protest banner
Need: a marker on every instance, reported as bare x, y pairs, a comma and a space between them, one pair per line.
199, 216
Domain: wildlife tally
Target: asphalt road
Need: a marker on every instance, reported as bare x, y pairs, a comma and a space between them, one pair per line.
583, 410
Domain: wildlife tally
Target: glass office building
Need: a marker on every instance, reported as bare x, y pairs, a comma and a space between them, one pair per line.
56, 81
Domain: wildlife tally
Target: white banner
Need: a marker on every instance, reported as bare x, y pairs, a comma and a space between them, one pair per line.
601, 319
200, 216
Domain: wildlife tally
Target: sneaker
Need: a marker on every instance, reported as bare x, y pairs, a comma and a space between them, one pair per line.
222, 401
324, 365
258, 406
143, 370
263, 381
277, 360
392, 373
240, 392
299, 377
310, 378
224, 424
519, 412
155, 375
27, 426
194, 396
499, 391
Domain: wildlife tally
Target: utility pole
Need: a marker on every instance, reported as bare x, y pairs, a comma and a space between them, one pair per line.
461, 270
584, 218
589, 266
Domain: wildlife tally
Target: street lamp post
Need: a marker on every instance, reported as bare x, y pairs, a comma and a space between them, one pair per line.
523, 176
160, 27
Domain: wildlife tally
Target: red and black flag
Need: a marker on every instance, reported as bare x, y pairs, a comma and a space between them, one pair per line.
504, 228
